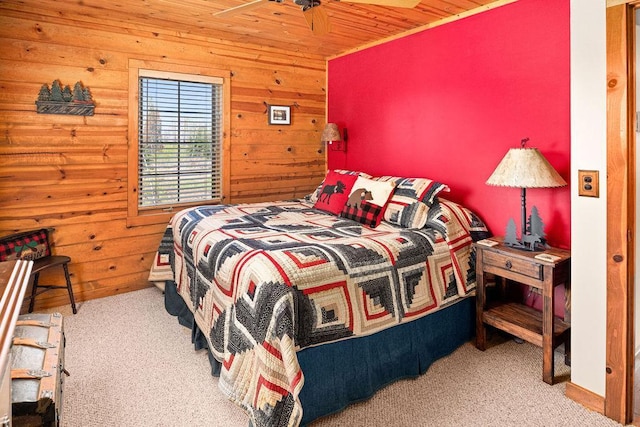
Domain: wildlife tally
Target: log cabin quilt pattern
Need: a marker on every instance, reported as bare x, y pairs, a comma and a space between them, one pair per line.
265, 280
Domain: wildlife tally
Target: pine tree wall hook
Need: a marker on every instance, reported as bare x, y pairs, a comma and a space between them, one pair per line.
59, 100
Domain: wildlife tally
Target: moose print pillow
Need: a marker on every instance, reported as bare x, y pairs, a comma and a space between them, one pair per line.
367, 201
334, 192
313, 197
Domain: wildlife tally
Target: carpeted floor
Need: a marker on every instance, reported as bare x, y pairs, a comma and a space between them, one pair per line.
132, 364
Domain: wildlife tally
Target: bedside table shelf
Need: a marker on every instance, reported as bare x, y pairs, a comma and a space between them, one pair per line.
523, 322
543, 329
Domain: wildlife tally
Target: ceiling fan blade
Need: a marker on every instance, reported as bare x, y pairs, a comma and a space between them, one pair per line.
317, 19
240, 8
390, 3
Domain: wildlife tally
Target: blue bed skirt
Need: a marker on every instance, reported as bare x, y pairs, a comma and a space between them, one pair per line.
340, 373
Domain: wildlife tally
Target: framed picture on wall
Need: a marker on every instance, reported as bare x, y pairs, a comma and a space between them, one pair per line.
279, 115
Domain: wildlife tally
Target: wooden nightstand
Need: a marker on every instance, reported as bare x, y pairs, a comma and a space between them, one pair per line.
540, 328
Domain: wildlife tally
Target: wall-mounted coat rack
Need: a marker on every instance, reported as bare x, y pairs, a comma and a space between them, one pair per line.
59, 100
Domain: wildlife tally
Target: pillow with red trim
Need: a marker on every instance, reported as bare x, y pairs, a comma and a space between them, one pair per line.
334, 192
313, 197
409, 205
29, 246
368, 201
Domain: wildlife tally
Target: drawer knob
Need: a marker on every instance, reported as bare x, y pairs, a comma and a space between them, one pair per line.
508, 264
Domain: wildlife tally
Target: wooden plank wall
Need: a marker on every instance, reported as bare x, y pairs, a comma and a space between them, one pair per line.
70, 172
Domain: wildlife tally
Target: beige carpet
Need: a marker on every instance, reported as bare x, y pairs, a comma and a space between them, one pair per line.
132, 364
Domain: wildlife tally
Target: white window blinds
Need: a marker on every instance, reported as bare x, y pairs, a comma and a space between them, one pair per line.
180, 140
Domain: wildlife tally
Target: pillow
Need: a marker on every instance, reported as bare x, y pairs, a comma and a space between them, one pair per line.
313, 197
367, 201
412, 215
409, 205
356, 173
29, 246
334, 192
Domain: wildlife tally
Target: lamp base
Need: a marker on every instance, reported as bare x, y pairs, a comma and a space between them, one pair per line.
532, 236
531, 243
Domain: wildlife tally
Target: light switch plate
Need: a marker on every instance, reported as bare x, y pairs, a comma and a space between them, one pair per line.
588, 183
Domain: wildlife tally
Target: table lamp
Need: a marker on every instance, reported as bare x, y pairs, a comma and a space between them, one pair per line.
525, 168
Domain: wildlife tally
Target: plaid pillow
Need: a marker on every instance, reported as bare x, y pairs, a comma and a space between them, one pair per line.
30, 245
367, 201
366, 213
409, 205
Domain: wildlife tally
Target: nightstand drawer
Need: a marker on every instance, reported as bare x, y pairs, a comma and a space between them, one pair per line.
514, 265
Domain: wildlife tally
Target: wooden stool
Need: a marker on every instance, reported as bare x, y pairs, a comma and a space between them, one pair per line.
49, 262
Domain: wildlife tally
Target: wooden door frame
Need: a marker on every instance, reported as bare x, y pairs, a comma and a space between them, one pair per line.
620, 211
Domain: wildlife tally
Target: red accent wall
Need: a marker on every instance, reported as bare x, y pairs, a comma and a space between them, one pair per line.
447, 104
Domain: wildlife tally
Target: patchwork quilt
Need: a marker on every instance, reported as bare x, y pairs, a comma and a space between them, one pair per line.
265, 280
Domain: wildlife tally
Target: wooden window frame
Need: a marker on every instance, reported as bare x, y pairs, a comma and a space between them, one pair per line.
145, 216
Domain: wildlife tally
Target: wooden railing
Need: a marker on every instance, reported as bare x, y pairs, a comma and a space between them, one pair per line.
14, 278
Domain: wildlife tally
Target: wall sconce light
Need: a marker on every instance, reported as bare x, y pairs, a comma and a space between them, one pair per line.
331, 135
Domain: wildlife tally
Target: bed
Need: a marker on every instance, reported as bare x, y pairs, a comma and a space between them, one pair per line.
304, 311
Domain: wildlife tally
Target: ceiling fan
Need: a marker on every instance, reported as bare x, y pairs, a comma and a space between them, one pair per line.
316, 17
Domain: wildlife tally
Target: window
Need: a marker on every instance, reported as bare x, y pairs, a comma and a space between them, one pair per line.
179, 137
178, 131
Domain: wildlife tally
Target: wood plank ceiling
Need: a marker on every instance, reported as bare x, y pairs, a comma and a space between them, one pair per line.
275, 25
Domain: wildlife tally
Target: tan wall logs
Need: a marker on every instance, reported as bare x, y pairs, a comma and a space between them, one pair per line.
70, 172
